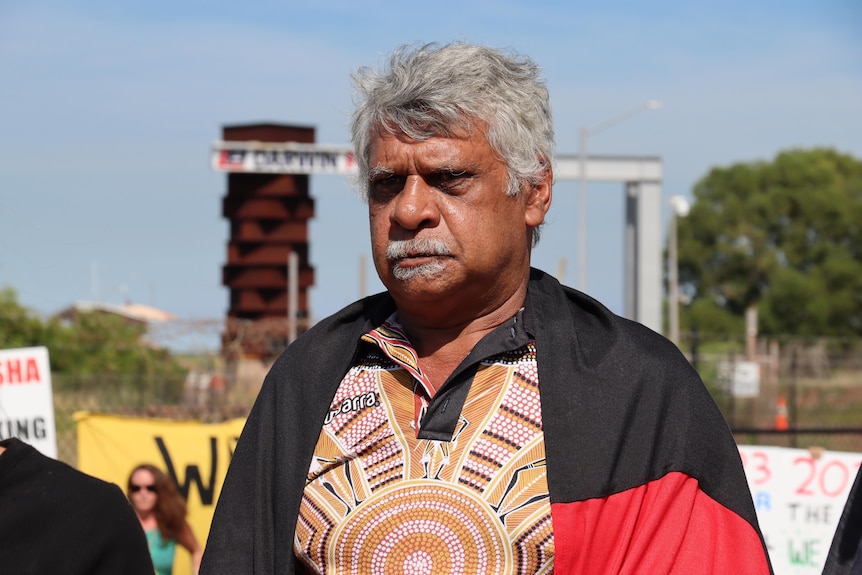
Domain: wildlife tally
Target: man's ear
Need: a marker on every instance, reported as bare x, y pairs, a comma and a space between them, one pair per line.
538, 200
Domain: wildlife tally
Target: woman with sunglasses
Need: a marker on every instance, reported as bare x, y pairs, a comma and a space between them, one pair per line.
162, 513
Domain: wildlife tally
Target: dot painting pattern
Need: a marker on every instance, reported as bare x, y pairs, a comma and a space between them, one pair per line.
422, 527
380, 501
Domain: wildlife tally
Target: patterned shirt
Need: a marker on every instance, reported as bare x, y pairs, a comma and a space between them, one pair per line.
407, 481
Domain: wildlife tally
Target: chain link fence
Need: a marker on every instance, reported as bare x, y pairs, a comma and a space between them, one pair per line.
808, 394
790, 392
202, 396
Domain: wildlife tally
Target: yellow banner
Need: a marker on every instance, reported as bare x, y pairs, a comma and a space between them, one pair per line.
195, 454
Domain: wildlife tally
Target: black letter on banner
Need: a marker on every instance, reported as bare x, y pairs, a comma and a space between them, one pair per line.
192, 473
231, 445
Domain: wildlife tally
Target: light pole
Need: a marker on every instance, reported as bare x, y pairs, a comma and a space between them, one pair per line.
678, 209
584, 134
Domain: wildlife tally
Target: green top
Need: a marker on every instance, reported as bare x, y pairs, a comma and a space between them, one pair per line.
161, 551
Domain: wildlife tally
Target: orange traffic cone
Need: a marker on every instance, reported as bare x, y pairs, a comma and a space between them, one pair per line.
781, 423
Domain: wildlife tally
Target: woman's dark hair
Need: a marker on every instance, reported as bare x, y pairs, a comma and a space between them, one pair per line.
170, 510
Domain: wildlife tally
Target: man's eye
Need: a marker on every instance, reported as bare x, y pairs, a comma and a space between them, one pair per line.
386, 186
448, 180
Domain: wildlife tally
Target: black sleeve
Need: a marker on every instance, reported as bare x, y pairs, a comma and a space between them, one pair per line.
240, 540
845, 555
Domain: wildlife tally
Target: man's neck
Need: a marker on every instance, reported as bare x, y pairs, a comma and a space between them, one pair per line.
431, 328
442, 344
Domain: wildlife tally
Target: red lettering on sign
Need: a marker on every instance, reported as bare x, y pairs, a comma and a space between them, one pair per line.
805, 487
818, 476
16, 371
839, 485
757, 469
32, 371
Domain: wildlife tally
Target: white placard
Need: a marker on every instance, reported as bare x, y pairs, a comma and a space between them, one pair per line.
799, 497
746, 379
26, 398
740, 378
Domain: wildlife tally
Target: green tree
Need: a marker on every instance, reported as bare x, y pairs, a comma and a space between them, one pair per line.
785, 236
95, 351
19, 326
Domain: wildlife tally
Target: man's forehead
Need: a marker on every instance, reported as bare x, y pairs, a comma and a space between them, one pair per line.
397, 149
443, 128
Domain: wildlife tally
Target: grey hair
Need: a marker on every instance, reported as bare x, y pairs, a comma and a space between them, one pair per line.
433, 90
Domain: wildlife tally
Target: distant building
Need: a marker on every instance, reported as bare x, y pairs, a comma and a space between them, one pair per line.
136, 314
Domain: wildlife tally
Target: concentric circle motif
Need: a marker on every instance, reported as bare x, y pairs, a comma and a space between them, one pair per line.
421, 527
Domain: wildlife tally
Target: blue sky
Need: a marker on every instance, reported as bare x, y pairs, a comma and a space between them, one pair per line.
108, 110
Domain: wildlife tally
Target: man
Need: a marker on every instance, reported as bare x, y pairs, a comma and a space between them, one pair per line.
477, 417
55, 519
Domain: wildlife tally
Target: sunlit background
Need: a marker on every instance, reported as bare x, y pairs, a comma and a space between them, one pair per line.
108, 109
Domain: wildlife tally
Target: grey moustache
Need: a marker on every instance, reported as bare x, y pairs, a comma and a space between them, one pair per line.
399, 249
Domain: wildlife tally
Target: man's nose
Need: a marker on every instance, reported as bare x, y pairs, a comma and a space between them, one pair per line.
416, 206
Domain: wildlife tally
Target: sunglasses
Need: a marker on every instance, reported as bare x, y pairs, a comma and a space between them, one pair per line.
136, 488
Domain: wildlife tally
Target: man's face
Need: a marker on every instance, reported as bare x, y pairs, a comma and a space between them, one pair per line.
442, 226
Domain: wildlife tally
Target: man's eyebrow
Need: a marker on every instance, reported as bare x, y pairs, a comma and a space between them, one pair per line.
460, 166
377, 172
451, 170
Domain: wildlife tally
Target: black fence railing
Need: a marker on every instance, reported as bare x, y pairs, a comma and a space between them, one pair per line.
808, 394
829, 438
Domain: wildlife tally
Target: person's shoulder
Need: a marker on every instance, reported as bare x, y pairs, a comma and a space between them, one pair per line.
554, 302
346, 324
92, 484
96, 498
334, 337
53, 471
598, 332
372, 309
47, 478
50, 500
